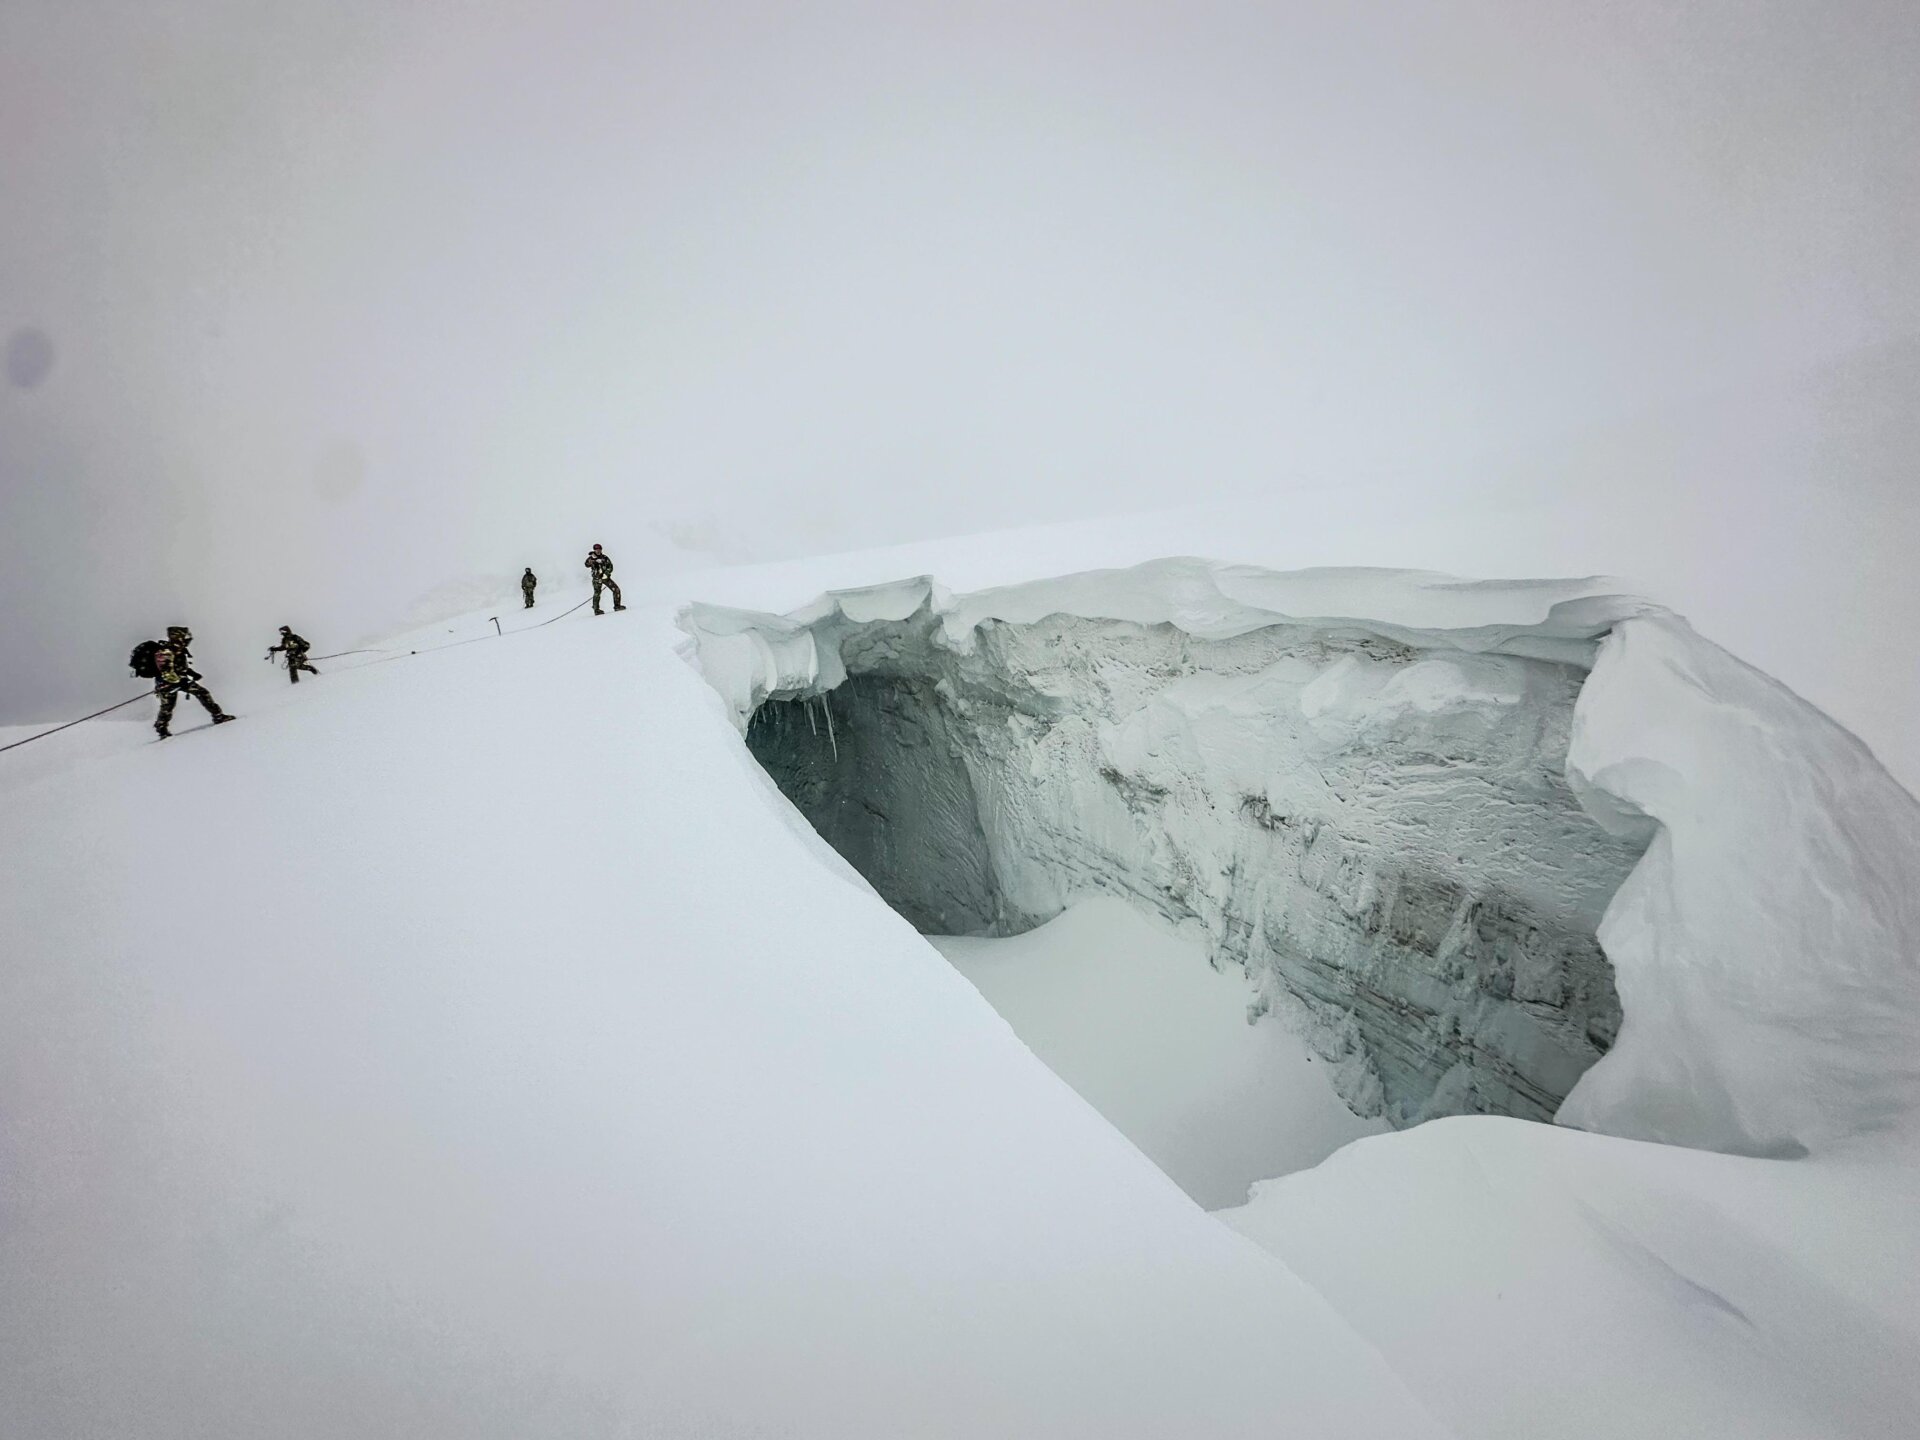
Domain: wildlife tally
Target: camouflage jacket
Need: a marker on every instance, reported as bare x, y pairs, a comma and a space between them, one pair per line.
171, 671
600, 564
293, 645
182, 660
529, 580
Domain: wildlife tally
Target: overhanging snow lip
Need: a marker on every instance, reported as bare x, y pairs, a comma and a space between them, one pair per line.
750, 655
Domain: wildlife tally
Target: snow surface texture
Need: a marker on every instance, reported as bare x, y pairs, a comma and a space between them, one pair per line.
1765, 944
1126, 1010
1530, 1280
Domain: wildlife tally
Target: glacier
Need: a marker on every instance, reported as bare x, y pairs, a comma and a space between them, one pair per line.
482, 1044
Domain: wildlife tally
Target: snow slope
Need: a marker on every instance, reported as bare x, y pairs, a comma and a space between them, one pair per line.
461, 1047
1529, 1280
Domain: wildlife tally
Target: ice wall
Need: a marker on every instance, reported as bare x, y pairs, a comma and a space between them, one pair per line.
1375, 825
1367, 804
884, 776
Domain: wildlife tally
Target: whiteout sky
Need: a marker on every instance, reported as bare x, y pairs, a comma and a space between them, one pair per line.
309, 309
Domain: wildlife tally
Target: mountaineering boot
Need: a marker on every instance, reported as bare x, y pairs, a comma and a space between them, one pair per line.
222, 718
162, 734
619, 607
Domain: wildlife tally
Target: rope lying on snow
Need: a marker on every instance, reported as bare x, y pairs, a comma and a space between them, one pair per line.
390, 654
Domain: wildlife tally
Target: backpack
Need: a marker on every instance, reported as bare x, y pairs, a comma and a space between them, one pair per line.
142, 659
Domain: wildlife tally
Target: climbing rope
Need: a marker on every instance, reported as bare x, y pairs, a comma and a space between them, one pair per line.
561, 616
82, 720
338, 653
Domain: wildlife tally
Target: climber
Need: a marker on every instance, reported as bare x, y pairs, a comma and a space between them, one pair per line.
296, 652
174, 677
179, 638
600, 567
527, 582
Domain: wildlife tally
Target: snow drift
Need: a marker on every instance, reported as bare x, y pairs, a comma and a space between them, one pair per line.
1407, 804
1125, 1008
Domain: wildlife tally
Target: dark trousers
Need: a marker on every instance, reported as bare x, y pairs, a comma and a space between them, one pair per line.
170, 696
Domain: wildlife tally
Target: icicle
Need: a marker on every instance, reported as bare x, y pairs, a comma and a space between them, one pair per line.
813, 726
827, 705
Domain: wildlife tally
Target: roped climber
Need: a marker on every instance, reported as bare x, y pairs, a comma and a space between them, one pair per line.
174, 677
600, 567
295, 650
179, 638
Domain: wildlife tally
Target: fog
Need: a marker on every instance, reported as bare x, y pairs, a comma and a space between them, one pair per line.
310, 312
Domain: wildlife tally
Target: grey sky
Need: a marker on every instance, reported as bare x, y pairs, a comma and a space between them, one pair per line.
309, 308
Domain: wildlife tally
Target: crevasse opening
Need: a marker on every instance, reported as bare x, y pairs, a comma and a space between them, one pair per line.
1381, 834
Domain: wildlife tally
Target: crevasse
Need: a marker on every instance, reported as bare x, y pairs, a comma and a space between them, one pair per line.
1402, 801
1377, 829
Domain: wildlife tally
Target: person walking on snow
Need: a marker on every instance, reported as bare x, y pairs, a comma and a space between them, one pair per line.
296, 651
174, 677
527, 582
178, 639
600, 567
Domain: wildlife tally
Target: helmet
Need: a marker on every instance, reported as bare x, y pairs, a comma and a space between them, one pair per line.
179, 632
596, 544
286, 629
